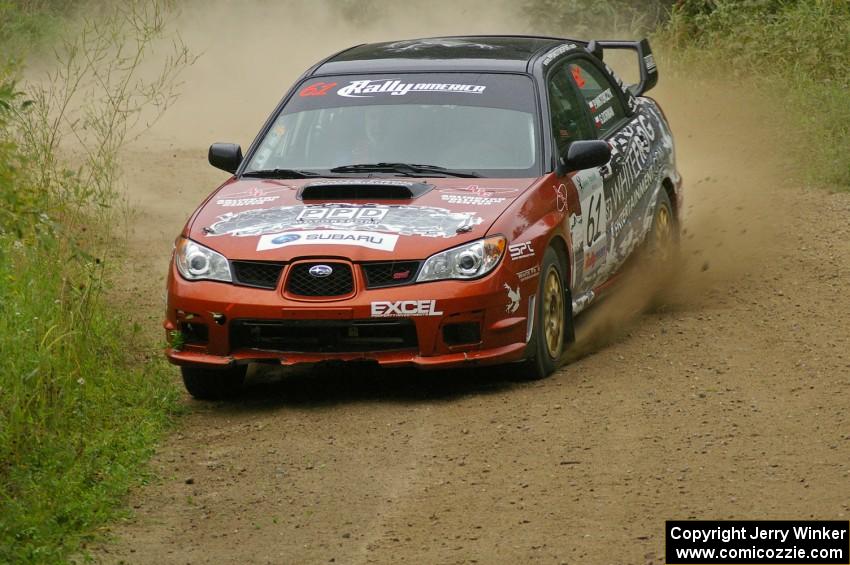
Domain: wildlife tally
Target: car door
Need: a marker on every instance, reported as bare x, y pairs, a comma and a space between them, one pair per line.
603, 102
627, 177
579, 192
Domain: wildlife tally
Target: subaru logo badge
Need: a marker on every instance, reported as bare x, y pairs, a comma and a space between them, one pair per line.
320, 271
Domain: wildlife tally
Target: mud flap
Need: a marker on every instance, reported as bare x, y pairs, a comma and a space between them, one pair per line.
569, 330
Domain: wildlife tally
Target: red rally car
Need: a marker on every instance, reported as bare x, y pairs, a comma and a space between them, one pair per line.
444, 202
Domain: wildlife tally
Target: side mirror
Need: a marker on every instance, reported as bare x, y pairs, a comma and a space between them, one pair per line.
584, 155
225, 156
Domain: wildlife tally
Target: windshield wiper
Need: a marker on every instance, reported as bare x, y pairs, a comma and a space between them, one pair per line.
280, 174
409, 169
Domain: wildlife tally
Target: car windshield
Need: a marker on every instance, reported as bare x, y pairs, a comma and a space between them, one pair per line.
480, 124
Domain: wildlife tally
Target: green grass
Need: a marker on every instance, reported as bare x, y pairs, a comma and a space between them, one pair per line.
28, 25
795, 52
83, 397
78, 417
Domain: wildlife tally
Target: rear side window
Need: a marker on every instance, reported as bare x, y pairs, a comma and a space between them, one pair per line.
599, 94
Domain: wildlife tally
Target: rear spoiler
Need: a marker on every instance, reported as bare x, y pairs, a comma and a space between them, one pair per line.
648, 70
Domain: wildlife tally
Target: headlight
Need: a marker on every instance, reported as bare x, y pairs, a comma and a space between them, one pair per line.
196, 262
468, 261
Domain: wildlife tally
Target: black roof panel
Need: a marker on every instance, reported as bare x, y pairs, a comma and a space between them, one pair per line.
467, 53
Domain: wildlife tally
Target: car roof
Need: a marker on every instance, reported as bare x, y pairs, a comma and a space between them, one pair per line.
472, 53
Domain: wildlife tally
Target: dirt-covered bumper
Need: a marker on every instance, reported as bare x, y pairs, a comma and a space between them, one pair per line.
429, 325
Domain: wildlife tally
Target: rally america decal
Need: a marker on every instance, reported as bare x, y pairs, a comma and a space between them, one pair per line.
370, 240
397, 219
404, 308
368, 88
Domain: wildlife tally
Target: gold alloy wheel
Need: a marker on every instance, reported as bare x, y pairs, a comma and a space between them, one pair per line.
663, 235
553, 313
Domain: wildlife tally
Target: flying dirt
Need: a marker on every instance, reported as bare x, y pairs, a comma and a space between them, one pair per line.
723, 402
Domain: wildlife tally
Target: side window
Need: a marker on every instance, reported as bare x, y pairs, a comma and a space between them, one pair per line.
599, 94
568, 120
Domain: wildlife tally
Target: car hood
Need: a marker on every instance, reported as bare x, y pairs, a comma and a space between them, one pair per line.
361, 219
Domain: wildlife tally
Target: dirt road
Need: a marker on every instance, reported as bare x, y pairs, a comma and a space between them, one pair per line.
730, 402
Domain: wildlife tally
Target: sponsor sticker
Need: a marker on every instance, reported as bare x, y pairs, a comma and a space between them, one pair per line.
603, 117
601, 99
513, 299
649, 62
370, 240
398, 219
594, 256
317, 89
241, 202
521, 250
404, 308
528, 273
561, 197
368, 88
365, 215
471, 200
554, 53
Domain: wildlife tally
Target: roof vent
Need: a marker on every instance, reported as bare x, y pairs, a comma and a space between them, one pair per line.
363, 189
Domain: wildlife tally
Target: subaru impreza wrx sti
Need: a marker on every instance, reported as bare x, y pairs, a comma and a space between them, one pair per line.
443, 202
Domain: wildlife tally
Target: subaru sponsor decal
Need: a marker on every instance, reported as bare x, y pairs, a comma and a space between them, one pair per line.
404, 308
367, 88
370, 240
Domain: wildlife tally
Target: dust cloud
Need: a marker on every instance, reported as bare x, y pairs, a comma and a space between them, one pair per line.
251, 53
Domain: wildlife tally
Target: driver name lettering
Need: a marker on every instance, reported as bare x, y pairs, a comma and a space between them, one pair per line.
367, 88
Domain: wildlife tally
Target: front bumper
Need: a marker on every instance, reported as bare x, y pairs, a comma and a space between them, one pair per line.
207, 315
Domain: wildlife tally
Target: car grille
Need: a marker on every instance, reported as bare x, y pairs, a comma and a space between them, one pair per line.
251, 273
301, 283
393, 273
330, 336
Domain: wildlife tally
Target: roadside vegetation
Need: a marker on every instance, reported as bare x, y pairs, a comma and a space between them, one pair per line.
795, 53
79, 414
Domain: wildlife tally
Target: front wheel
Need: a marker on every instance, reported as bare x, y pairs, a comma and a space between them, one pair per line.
551, 322
214, 384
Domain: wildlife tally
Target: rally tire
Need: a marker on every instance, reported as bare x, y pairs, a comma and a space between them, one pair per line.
552, 326
214, 384
661, 250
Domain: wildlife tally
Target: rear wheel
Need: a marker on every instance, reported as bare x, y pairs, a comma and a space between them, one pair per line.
551, 322
662, 244
214, 384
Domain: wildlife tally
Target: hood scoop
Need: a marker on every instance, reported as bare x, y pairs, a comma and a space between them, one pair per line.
363, 189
